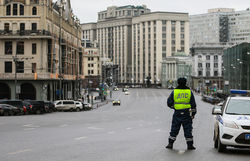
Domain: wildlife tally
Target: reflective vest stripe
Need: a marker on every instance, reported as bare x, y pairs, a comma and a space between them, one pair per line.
182, 103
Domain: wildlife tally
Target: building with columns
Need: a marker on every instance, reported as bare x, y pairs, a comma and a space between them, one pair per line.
156, 36
40, 50
137, 40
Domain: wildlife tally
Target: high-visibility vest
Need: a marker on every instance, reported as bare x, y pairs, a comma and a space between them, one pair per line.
182, 99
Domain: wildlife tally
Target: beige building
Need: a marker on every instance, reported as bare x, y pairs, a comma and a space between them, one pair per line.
156, 36
34, 62
137, 40
114, 36
92, 66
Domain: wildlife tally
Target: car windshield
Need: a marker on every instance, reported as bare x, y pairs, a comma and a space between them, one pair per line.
238, 107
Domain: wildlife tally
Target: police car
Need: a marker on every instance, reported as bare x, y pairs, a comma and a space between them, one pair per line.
232, 122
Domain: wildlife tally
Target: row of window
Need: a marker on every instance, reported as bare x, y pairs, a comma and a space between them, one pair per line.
208, 57
208, 65
21, 27
19, 48
17, 10
200, 73
19, 67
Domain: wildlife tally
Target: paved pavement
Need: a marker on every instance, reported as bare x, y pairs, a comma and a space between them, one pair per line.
135, 131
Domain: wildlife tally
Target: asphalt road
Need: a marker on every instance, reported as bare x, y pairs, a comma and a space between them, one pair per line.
137, 130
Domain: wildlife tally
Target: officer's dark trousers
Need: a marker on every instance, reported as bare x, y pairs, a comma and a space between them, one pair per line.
181, 117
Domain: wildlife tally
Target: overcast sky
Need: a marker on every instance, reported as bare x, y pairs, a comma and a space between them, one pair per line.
86, 10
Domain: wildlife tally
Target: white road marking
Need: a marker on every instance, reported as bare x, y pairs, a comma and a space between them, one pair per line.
20, 151
111, 132
129, 128
27, 129
95, 128
64, 125
28, 125
31, 126
81, 138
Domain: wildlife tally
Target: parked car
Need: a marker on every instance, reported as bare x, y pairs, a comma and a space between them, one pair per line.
211, 99
231, 125
38, 107
49, 106
9, 110
16, 103
79, 106
65, 105
87, 106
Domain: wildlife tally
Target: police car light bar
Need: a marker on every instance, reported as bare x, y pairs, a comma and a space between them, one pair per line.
237, 91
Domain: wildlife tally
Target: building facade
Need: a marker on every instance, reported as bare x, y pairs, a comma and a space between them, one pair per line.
156, 36
40, 50
137, 40
207, 66
237, 67
211, 27
174, 67
91, 67
239, 22
114, 36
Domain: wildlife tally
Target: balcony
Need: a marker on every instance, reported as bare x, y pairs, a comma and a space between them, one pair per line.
25, 34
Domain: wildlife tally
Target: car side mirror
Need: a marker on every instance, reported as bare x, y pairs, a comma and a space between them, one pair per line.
217, 110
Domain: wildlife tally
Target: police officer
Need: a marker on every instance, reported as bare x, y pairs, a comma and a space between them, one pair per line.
183, 102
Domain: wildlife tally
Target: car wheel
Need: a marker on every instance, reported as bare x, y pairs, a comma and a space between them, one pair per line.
215, 141
77, 109
221, 147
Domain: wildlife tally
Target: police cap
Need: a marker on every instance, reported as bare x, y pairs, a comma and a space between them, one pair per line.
182, 81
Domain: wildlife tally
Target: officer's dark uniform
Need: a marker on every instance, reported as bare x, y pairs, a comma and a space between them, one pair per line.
182, 101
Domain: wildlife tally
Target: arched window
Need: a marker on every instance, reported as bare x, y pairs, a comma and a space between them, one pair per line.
8, 10
34, 11
15, 9
21, 9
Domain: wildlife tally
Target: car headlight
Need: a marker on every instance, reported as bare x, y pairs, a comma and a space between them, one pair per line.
113, 101
118, 101
230, 124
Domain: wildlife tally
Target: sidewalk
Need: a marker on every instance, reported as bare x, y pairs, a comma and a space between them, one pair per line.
102, 103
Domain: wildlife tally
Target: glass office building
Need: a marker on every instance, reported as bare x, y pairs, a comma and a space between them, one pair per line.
237, 67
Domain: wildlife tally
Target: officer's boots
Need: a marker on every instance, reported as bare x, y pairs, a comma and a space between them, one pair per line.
170, 144
191, 147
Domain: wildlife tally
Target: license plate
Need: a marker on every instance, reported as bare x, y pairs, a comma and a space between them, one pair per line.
247, 136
